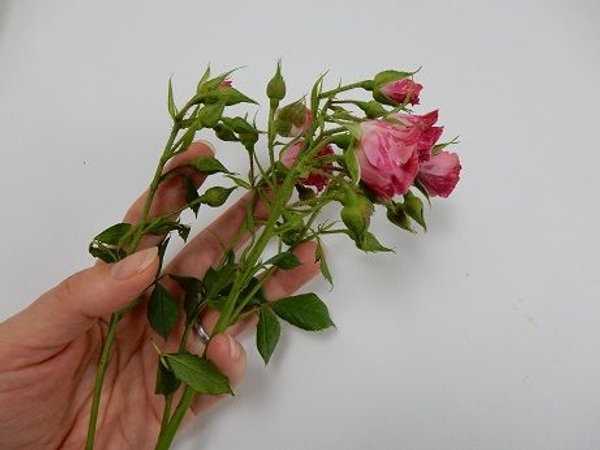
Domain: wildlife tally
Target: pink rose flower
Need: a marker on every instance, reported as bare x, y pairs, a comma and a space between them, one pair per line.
400, 91
388, 157
440, 174
316, 178
429, 134
226, 84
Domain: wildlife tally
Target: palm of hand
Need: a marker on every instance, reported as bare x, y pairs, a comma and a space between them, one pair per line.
49, 352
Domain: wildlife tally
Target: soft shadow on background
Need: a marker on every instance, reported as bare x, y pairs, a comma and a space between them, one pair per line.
4, 8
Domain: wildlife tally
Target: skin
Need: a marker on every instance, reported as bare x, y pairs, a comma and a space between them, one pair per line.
49, 351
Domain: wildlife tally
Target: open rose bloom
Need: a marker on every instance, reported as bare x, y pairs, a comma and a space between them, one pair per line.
392, 156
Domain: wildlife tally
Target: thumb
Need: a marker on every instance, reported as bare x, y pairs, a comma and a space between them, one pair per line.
72, 307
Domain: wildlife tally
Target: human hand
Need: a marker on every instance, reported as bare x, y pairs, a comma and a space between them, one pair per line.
49, 351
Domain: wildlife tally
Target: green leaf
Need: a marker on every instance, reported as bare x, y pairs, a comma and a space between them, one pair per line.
241, 183
316, 92
305, 311
239, 125
413, 206
113, 235
398, 216
205, 85
215, 281
106, 254
258, 298
284, 260
230, 96
191, 194
268, 331
166, 381
423, 190
371, 244
189, 136
198, 373
225, 133
210, 115
193, 295
203, 79
208, 165
216, 196
162, 249
171, 102
162, 311
320, 258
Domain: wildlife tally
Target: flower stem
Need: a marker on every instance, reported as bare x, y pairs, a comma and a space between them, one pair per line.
100, 373
115, 318
365, 84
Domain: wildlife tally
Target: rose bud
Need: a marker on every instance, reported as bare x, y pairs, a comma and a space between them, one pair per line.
440, 174
293, 120
393, 88
316, 178
356, 214
388, 157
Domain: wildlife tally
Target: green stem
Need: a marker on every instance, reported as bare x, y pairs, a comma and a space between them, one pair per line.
100, 373
365, 84
166, 155
166, 437
227, 314
116, 317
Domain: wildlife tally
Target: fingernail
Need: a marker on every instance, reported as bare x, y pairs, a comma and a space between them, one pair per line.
234, 348
208, 144
134, 264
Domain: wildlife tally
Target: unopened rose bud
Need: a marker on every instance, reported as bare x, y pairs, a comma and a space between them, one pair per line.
392, 88
210, 115
216, 196
293, 120
356, 214
276, 87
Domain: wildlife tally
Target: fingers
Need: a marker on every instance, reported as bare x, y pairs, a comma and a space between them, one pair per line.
209, 245
71, 308
171, 193
285, 282
229, 356
282, 284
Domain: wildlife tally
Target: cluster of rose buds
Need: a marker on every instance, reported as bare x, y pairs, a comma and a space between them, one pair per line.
394, 148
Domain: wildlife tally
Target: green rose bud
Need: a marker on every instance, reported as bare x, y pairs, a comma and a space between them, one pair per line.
216, 196
210, 115
356, 214
293, 120
276, 87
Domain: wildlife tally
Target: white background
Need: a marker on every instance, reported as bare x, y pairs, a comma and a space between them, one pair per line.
482, 333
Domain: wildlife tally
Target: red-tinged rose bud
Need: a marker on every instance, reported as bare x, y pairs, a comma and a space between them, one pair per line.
293, 120
393, 88
440, 174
